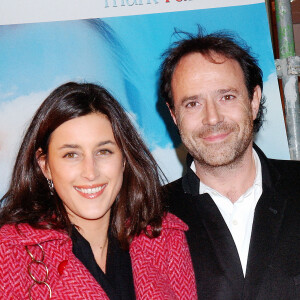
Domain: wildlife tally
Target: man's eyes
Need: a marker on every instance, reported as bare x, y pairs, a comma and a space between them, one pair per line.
192, 104
196, 103
228, 97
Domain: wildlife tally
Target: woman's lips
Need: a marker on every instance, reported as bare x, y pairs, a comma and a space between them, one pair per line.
90, 192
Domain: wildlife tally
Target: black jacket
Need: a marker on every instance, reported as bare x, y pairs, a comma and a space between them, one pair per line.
273, 267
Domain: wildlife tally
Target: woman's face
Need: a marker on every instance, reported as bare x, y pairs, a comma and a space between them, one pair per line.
86, 167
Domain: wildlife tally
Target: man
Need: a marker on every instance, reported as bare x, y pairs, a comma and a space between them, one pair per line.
242, 209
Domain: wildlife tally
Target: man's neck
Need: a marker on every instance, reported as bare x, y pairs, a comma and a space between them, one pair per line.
232, 180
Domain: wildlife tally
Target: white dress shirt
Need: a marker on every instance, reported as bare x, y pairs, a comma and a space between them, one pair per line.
239, 215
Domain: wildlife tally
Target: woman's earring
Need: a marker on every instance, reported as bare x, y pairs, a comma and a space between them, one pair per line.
51, 186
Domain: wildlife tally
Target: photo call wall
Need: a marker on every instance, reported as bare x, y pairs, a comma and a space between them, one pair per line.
118, 44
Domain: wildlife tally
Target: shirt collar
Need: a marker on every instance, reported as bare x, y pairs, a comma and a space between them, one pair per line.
203, 188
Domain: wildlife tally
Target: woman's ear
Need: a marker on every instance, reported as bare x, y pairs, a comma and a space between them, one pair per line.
42, 161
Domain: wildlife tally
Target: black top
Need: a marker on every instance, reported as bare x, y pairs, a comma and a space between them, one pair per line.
117, 282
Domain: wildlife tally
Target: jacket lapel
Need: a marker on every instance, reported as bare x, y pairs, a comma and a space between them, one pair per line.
222, 241
266, 224
209, 230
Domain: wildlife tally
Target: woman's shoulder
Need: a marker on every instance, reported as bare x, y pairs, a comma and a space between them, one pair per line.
16, 234
13, 233
164, 263
172, 222
172, 232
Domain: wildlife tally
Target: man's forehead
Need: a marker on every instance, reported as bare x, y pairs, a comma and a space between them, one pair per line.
198, 74
210, 56
195, 63
203, 64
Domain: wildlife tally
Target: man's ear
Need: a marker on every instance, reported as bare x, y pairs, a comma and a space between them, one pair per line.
42, 161
172, 112
256, 101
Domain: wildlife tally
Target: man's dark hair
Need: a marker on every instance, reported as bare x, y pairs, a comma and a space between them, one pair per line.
222, 43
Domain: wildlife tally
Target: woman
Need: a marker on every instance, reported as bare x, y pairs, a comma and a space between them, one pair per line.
84, 190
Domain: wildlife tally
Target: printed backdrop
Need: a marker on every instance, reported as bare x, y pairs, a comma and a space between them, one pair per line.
118, 43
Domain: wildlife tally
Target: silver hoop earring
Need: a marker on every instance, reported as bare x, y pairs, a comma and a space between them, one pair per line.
51, 186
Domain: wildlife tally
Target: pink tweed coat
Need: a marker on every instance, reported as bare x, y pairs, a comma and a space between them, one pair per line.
40, 263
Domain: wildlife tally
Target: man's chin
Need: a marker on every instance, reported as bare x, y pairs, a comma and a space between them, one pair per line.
217, 155
216, 162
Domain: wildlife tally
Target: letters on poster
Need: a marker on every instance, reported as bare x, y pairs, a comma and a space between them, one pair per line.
118, 3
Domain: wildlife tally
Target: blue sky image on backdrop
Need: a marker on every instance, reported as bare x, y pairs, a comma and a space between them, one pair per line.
123, 54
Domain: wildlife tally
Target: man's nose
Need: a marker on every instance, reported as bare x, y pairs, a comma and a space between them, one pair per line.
212, 113
89, 168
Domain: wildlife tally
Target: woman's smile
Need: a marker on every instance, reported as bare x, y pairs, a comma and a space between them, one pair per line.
90, 192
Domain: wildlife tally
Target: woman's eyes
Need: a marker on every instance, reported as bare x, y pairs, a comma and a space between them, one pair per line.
70, 155
104, 152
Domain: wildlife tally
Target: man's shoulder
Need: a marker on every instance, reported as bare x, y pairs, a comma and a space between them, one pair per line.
174, 186
283, 165
178, 202
280, 166
288, 170
288, 184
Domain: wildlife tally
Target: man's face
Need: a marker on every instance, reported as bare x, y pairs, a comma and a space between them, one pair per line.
212, 109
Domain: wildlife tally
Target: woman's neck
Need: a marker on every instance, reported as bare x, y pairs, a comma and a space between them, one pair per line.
96, 233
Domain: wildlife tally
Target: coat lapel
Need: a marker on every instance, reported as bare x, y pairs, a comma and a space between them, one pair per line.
266, 224
209, 238
222, 241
